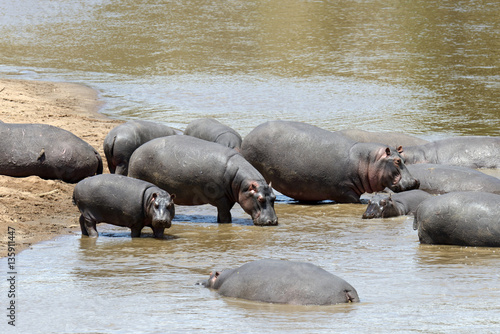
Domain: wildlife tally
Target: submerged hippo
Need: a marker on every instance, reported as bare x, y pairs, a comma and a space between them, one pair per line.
46, 151
460, 218
212, 130
122, 141
201, 172
311, 164
393, 139
123, 201
468, 151
284, 282
385, 205
440, 179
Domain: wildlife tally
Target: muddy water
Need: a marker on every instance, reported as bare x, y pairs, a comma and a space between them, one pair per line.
429, 68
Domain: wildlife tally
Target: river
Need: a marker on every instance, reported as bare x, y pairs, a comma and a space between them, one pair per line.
428, 68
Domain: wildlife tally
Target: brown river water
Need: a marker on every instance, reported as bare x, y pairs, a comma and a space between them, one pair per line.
428, 68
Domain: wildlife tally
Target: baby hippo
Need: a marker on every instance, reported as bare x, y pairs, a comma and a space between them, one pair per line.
123, 201
284, 282
394, 205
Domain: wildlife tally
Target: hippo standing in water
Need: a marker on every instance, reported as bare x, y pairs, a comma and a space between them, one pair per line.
123, 201
393, 139
212, 130
460, 218
394, 205
469, 151
46, 151
440, 179
201, 172
311, 164
283, 282
122, 141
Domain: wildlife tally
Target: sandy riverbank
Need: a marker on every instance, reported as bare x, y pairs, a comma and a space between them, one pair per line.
42, 209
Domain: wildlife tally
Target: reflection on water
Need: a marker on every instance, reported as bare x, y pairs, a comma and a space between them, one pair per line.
117, 284
429, 68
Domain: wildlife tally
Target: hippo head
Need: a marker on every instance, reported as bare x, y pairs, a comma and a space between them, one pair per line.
390, 171
257, 199
210, 282
379, 206
160, 209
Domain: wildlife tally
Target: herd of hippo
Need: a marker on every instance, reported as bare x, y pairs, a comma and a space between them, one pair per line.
155, 167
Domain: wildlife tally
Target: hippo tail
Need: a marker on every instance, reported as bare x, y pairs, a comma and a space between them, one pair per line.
100, 167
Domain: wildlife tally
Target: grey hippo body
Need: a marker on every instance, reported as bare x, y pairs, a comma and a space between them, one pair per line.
201, 172
460, 218
284, 282
311, 164
212, 130
467, 151
441, 179
385, 205
124, 139
123, 201
46, 151
393, 139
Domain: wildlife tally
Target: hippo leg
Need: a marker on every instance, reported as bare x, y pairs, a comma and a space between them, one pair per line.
135, 231
121, 169
88, 227
224, 212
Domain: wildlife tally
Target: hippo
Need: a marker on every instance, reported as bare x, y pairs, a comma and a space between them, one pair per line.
460, 218
46, 151
122, 141
282, 282
392, 139
440, 179
123, 201
308, 163
212, 130
201, 172
467, 151
385, 205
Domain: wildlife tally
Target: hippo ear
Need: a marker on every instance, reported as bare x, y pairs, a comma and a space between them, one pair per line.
400, 149
153, 197
172, 196
270, 185
388, 151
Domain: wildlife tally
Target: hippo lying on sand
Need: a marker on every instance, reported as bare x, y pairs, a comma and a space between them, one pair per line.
201, 172
212, 130
440, 179
284, 282
469, 151
460, 218
46, 151
311, 164
386, 205
122, 141
123, 201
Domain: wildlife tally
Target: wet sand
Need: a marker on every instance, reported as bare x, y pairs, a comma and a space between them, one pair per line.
42, 209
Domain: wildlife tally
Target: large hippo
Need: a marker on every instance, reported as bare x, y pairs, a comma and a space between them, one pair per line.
393, 139
385, 205
440, 179
201, 172
122, 141
467, 151
123, 201
46, 151
212, 130
311, 164
283, 282
460, 218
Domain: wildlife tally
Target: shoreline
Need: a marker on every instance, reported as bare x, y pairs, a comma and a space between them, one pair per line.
41, 209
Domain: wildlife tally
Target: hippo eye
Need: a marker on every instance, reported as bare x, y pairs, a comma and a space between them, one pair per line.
261, 199
397, 161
